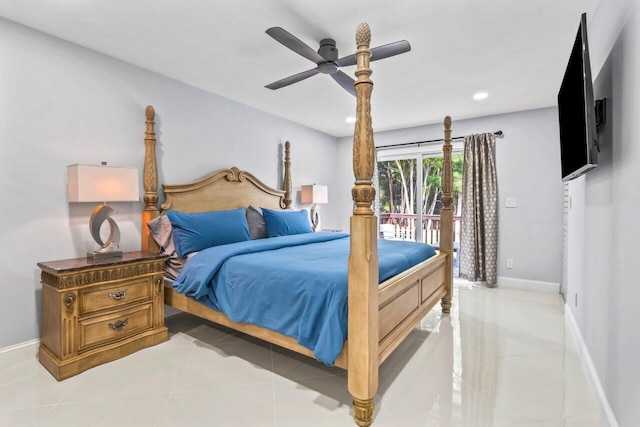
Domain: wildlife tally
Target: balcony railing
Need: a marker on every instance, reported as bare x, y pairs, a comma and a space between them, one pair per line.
403, 227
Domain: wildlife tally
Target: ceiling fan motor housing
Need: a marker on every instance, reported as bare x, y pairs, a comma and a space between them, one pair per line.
328, 50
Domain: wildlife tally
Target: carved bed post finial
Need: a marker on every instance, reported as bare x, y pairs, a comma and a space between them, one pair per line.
363, 146
287, 175
150, 180
446, 215
363, 258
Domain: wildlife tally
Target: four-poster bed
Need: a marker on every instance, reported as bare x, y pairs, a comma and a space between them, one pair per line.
380, 315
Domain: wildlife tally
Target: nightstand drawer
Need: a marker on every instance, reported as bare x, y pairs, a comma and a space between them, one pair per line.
115, 295
114, 326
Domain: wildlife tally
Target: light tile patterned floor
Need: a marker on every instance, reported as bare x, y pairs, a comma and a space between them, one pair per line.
502, 358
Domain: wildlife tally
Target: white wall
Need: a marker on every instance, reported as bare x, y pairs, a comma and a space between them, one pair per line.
603, 223
528, 166
63, 104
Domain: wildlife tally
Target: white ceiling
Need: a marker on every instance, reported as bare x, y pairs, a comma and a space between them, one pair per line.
516, 50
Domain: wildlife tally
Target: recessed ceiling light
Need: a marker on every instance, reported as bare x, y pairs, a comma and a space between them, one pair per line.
350, 120
480, 96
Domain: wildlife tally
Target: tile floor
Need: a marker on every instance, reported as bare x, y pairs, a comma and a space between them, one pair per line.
502, 358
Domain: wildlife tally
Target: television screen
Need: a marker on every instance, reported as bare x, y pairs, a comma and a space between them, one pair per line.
576, 109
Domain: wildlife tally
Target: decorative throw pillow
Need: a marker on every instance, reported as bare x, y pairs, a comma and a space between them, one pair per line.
257, 228
194, 232
161, 231
285, 223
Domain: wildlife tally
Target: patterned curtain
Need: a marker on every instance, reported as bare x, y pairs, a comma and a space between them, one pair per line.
479, 233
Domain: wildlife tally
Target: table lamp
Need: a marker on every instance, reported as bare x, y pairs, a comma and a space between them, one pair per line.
92, 183
314, 194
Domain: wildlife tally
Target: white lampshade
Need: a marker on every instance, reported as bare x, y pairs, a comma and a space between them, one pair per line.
314, 194
92, 183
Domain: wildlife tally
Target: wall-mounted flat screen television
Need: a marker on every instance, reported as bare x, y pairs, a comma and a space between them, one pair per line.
576, 109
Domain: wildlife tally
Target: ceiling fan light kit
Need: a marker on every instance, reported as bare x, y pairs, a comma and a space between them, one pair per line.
326, 58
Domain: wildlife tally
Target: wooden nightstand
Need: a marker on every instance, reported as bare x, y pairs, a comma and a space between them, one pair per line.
94, 312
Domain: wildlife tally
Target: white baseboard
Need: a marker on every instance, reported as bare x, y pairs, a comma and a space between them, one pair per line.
18, 353
590, 373
528, 285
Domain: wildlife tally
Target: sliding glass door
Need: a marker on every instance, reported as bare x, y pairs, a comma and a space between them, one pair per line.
397, 198
432, 197
409, 188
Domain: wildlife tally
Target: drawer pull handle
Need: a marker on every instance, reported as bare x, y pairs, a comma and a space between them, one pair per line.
118, 295
119, 325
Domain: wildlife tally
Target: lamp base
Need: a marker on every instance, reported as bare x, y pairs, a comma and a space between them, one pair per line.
315, 218
97, 256
108, 249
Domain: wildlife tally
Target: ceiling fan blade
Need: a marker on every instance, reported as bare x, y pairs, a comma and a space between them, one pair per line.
391, 49
345, 81
345, 61
380, 52
292, 42
292, 79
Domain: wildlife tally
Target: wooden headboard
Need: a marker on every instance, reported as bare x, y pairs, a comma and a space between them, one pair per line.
220, 190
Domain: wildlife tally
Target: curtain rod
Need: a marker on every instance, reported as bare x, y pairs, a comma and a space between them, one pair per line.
497, 133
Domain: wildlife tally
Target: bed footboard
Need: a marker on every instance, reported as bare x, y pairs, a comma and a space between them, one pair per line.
406, 299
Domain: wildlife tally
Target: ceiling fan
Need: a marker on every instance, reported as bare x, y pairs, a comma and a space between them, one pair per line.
326, 58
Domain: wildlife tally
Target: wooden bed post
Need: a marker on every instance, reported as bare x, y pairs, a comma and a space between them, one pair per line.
150, 179
287, 175
363, 259
446, 216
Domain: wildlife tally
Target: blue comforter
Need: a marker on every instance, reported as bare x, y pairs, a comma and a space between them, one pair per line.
296, 285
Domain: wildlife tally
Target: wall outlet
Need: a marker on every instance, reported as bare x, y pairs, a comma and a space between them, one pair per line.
511, 202
509, 262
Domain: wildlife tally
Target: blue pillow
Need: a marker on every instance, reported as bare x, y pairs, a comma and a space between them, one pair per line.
285, 223
197, 231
